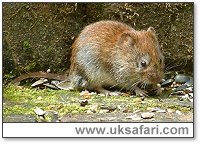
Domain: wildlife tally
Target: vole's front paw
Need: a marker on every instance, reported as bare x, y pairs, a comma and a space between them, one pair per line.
107, 92
140, 92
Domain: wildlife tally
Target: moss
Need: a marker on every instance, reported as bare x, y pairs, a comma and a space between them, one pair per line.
19, 100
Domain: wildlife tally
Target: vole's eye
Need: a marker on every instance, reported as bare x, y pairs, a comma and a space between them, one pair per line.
143, 64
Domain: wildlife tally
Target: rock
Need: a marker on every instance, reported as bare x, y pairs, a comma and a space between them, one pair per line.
55, 82
104, 111
110, 107
147, 115
153, 109
161, 111
83, 102
64, 85
190, 82
134, 117
50, 86
170, 110
179, 112
182, 87
39, 111
89, 111
39, 82
181, 78
167, 82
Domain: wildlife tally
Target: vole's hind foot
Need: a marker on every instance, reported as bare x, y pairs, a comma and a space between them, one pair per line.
107, 92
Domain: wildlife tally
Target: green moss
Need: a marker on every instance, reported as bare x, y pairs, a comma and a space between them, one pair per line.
23, 100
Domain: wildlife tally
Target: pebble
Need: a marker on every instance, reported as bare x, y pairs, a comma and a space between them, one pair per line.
181, 78
39, 82
182, 87
103, 111
55, 82
167, 82
84, 93
50, 86
134, 117
170, 110
147, 115
89, 111
39, 111
161, 111
39, 98
83, 102
64, 85
179, 112
153, 109
190, 82
110, 108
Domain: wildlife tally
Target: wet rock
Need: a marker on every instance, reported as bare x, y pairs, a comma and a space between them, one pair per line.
147, 115
39, 82
167, 82
181, 78
83, 102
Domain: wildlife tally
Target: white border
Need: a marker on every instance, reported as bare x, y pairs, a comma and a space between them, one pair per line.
69, 129
141, 141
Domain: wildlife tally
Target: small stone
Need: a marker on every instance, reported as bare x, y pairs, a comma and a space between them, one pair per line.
170, 110
64, 85
94, 108
179, 112
89, 111
87, 93
101, 95
39, 111
167, 82
147, 115
104, 111
180, 88
39, 82
181, 78
108, 107
83, 102
161, 111
153, 109
190, 82
134, 117
50, 86
39, 98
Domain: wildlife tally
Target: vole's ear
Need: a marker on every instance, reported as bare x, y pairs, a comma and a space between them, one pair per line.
152, 34
151, 29
127, 38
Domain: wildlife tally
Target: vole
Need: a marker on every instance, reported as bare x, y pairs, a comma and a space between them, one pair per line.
110, 54
113, 54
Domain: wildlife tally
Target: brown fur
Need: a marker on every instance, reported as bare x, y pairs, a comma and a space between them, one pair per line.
109, 53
